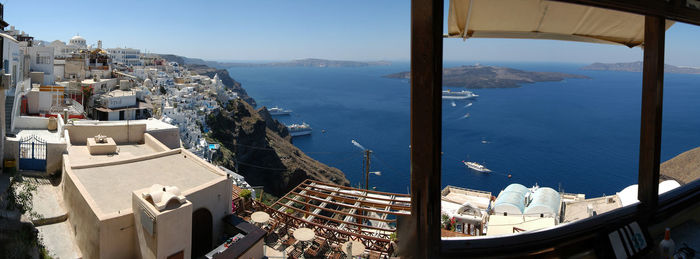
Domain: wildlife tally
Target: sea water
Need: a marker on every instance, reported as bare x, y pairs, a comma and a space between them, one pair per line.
577, 135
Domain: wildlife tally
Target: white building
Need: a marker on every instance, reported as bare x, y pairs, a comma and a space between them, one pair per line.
42, 60
12, 58
63, 50
125, 56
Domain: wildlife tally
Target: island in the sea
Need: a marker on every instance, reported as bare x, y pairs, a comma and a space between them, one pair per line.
479, 76
637, 67
307, 62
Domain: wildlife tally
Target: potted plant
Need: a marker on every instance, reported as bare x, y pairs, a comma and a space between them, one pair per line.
245, 195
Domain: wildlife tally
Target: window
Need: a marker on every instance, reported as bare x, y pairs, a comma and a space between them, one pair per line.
427, 80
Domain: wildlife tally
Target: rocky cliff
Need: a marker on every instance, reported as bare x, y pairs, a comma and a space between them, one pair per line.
683, 168
263, 150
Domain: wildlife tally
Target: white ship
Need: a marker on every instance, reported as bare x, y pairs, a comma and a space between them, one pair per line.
476, 166
279, 111
299, 129
461, 95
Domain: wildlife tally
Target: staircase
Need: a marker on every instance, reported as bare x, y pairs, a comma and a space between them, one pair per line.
9, 103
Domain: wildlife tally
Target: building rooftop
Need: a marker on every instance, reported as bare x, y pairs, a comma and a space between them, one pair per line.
110, 185
151, 123
80, 155
579, 210
503, 225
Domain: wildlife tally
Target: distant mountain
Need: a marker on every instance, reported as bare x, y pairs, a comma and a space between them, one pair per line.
637, 67
314, 62
308, 62
478, 76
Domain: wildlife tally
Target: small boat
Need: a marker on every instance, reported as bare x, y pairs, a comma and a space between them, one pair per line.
279, 111
476, 167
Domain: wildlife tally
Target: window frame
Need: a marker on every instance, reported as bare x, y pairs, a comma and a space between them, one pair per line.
427, 18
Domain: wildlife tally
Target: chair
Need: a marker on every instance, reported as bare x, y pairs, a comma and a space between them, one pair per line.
290, 241
294, 254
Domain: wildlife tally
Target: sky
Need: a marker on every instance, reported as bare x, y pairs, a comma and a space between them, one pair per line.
227, 30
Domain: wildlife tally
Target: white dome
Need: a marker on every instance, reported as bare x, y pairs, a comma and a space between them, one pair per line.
77, 37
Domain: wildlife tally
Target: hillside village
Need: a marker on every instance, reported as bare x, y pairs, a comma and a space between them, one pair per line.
117, 153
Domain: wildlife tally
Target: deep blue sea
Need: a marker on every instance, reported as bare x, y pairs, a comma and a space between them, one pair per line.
578, 135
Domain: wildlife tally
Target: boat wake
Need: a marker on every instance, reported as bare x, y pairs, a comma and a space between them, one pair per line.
468, 105
466, 116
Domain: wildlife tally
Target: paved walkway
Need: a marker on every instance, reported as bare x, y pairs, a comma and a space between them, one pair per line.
47, 201
59, 240
54, 228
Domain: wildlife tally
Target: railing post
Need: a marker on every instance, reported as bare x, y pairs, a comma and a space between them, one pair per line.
426, 126
652, 103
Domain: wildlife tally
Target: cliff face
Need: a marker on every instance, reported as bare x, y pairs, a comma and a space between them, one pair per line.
266, 157
683, 168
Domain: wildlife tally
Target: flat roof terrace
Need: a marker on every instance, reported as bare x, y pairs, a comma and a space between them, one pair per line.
80, 155
110, 184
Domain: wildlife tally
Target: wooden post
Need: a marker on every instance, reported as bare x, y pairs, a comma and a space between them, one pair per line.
426, 125
652, 103
367, 154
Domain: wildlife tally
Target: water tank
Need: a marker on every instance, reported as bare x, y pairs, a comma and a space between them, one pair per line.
511, 200
545, 201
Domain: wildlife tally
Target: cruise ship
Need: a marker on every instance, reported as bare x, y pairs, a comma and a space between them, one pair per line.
279, 111
299, 129
461, 95
476, 166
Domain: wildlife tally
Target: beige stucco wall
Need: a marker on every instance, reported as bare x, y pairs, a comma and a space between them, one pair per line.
117, 236
54, 154
80, 133
33, 102
153, 143
81, 215
214, 196
172, 229
11, 149
256, 251
54, 157
169, 137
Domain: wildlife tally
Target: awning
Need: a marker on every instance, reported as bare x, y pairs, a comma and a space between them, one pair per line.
541, 19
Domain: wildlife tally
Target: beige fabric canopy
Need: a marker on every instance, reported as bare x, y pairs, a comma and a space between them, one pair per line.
541, 19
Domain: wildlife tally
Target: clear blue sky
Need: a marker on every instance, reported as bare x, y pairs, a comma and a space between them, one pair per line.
284, 30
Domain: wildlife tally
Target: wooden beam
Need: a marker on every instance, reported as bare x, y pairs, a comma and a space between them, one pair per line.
337, 221
306, 204
309, 181
342, 204
355, 199
426, 126
652, 103
673, 10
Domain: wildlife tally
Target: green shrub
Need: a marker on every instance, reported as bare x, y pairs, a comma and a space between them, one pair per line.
245, 194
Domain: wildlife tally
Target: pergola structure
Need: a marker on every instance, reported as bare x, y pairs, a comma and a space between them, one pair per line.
340, 213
